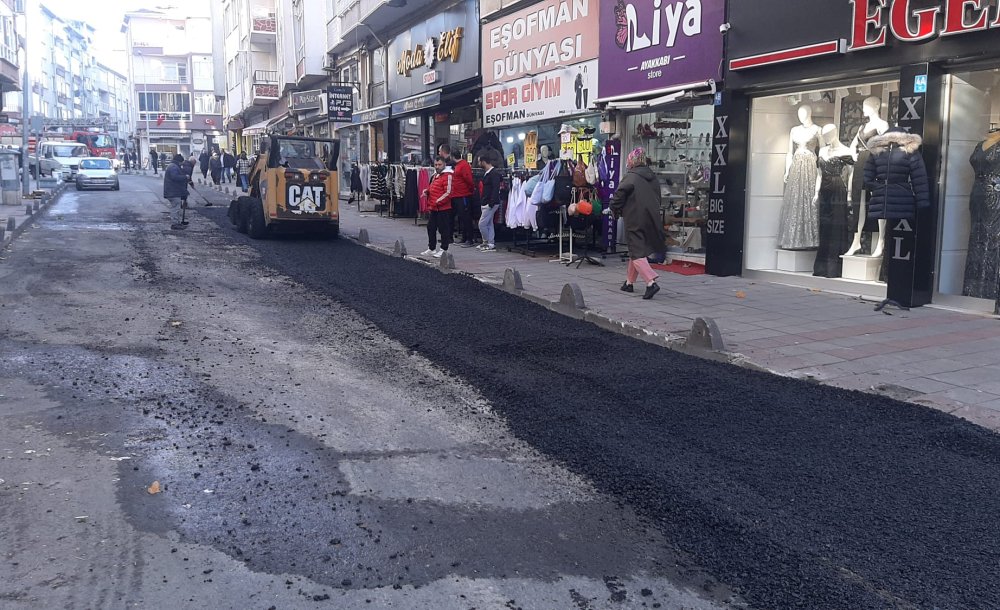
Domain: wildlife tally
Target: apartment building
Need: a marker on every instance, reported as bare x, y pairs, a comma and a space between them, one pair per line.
10, 74
173, 75
252, 85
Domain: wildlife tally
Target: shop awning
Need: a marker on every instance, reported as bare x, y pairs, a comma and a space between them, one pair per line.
261, 127
660, 97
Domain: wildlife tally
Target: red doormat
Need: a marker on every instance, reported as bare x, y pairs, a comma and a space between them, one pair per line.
682, 267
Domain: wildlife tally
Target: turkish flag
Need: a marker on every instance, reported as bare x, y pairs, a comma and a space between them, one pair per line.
160, 118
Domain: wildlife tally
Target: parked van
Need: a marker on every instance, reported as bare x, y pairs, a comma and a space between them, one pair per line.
58, 155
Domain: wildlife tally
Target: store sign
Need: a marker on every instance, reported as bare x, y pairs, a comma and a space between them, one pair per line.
339, 102
370, 116
307, 100
448, 47
651, 45
413, 104
873, 24
874, 19
546, 36
553, 95
445, 43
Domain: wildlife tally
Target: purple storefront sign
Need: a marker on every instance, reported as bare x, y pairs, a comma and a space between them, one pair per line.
606, 189
644, 49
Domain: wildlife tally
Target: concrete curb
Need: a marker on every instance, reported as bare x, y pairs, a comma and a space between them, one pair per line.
576, 309
37, 207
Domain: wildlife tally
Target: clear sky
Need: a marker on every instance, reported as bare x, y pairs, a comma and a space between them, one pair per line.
106, 17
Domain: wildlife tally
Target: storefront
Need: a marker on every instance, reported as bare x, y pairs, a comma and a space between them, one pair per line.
540, 75
658, 75
310, 111
802, 114
434, 82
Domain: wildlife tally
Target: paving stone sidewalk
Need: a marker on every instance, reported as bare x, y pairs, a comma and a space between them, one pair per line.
930, 356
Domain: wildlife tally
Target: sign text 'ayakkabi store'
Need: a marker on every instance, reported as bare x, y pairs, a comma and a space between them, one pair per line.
873, 22
540, 63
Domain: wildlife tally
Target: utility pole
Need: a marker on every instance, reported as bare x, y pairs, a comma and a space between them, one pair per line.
25, 110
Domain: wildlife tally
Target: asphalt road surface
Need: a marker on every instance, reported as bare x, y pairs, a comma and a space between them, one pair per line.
330, 427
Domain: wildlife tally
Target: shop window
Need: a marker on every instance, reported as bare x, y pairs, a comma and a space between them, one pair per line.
679, 145
412, 134
970, 201
459, 128
806, 202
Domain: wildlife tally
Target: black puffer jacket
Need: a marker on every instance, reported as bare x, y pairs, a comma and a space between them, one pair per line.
896, 175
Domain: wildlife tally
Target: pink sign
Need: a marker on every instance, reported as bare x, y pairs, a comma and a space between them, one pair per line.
549, 35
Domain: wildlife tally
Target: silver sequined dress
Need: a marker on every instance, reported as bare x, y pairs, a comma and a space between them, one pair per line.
982, 266
798, 225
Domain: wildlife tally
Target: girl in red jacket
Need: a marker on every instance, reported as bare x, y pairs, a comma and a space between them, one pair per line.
439, 194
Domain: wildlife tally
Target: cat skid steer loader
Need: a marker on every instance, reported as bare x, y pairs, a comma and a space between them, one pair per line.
293, 187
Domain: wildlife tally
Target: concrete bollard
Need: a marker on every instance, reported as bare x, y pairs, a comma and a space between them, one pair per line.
34, 205
399, 249
705, 335
363, 238
447, 261
572, 297
2, 234
11, 224
512, 281
27, 209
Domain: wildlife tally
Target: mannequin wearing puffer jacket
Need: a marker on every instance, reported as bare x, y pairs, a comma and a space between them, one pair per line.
897, 177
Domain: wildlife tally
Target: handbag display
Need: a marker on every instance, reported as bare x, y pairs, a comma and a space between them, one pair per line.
580, 174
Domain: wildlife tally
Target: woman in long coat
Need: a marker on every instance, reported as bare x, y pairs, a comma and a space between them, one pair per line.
637, 200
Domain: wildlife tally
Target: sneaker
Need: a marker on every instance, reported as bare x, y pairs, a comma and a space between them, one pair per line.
626, 287
466, 244
438, 253
428, 252
489, 248
650, 291
177, 227
481, 247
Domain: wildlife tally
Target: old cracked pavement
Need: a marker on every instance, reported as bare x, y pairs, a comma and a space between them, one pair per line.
305, 458
330, 427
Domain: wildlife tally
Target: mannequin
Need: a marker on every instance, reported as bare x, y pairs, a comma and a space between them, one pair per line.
874, 125
798, 225
836, 162
983, 259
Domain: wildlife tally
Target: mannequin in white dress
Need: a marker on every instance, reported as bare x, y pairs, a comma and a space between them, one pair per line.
875, 125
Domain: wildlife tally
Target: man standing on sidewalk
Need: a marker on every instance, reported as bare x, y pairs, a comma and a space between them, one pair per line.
175, 191
154, 161
461, 198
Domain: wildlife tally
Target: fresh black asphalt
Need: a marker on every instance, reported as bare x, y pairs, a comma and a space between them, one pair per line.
797, 495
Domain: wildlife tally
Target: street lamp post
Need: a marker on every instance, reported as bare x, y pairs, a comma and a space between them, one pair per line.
145, 96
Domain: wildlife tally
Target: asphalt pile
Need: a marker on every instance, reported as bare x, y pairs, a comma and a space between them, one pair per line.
796, 495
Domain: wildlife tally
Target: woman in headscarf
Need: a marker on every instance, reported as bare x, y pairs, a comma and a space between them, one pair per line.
637, 200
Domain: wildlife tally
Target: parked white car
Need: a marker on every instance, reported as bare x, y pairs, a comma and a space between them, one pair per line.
97, 172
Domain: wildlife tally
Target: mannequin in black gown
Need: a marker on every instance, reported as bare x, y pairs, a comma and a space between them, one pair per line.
835, 162
982, 265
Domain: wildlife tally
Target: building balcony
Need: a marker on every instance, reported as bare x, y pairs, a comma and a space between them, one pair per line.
264, 29
375, 14
263, 94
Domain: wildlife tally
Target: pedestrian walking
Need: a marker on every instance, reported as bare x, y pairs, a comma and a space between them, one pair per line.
127, 161
134, 157
439, 197
154, 160
228, 166
491, 200
215, 168
637, 200
203, 161
243, 171
462, 201
175, 191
